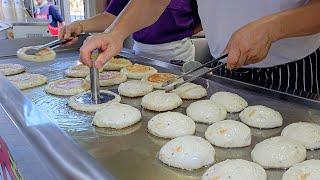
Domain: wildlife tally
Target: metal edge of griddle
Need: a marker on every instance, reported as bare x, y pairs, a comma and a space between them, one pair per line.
63, 158
223, 80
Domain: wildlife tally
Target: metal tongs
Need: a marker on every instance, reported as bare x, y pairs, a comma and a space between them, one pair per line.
170, 84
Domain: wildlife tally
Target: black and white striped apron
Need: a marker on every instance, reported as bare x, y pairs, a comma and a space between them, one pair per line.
297, 77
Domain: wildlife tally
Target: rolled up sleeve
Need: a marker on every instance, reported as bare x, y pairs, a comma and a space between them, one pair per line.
116, 6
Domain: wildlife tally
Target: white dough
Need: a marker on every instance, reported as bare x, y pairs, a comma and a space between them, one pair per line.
171, 125
278, 152
116, 64
11, 69
187, 152
231, 101
161, 101
27, 80
138, 71
206, 111
67, 87
116, 116
307, 170
191, 91
308, 134
235, 169
79, 70
134, 88
229, 134
261, 117
77, 105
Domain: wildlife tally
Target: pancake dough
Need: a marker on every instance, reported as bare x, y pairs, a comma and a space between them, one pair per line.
42, 56
134, 88
206, 111
116, 64
67, 87
116, 116
161, 101
171, 125
27, 80
308, 134
78, 71
187, 152
157, 79
138, 71
261, 117
235, 169
278, 152
80, 106
307, 170
110, 78
229, 134
231, 101
11, 69
191, 91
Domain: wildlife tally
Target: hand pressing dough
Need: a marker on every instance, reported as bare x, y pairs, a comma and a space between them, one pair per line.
157, 79
187, 152
134, 88
116, 64
138, 71
161, 101
11, 69
42, 56
231, 101
116, 116
27, 80
190, 91
67, 87
171, 125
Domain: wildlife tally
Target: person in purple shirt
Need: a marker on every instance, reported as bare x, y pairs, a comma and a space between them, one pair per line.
167, 39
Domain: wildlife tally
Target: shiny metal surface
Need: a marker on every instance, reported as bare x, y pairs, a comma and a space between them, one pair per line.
87, 98
95, 85
131, 153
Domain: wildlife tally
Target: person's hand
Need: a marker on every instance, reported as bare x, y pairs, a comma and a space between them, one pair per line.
71, 31
108, 44
249, 44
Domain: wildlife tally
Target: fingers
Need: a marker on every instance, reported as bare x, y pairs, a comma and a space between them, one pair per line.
86, 50
233, 57
62, 32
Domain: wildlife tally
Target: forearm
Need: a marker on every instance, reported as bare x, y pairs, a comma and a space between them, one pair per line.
137, 15
97, 23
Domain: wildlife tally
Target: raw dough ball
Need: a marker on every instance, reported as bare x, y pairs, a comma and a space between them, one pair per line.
110, 78
308, 134
11, 69
278, 152
161, 101
206, 111
231, 101
42, 56
171, 125
235, 169
307, 170
116, 116
191, 91
134, 88
229, 134
26, 80
187, 152
67, 87
261, 117
157, 79
80, 106
116, 64
138, 71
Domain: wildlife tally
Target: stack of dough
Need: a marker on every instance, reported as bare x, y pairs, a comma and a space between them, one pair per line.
67, 87
110, 78
138, 71
157, 79
307, 170
116, 64
116, 116
27, 80
231, 101
161, 101
171, 125
261, 117
191, 91
11, 69
42, 56
206, 111
134, 88
235, 169
187, 152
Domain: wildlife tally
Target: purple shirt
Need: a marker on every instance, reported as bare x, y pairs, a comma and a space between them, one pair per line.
177, 22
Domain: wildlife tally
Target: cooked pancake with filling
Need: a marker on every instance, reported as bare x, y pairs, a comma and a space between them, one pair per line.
27, 80
157, 79
11, 69
110, 78
138, 71
41, 56
116, 64
79, 71
67, 87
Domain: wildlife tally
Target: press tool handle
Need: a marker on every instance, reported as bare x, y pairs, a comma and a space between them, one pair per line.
94, 80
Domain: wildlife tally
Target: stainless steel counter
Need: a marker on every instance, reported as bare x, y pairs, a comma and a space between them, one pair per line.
131, 153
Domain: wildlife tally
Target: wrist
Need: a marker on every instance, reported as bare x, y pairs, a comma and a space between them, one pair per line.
81, 26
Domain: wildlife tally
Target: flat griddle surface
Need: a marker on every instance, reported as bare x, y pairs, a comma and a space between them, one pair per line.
131, 153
